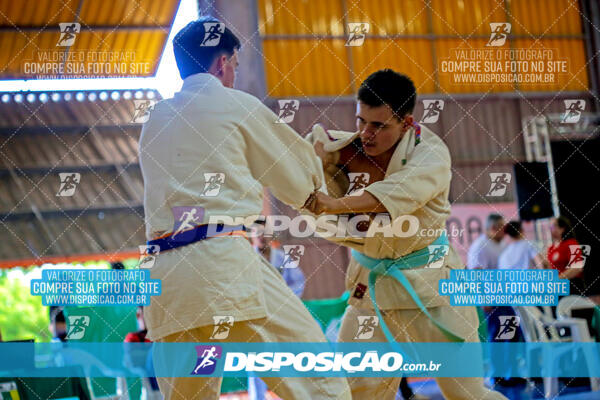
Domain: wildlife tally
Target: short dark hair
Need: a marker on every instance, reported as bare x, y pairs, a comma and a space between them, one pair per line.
513, 229
565, 223
56, 314
193, 58
492, 220
389, 87
117, 265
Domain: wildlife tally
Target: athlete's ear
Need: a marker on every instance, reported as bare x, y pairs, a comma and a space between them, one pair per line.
407, 122
217, 66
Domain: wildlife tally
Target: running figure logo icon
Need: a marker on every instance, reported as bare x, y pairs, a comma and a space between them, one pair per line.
212, 183
366, 326
68, 33
431, 111
207, 359
437, 252
357, 32
499, 184
148, 255
142, 110
287, 111
500, 31
185, 219
68, 183
222, 325
579, 254
358, 181
508, 327
77, 325
573, 110
212, 34
292, 255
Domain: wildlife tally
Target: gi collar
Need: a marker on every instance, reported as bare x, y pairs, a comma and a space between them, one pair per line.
201, 80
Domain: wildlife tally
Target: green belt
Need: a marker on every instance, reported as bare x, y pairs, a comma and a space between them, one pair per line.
393, 267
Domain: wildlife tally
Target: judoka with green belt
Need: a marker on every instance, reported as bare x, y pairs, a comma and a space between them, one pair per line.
391, 165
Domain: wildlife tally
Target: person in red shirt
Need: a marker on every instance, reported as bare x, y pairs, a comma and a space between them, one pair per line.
560, 252
139, 336
132, 360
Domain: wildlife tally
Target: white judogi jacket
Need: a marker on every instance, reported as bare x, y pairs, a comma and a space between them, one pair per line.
416, 183
208, 128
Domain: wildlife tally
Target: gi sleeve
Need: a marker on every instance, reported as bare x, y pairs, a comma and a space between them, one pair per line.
280, 159
425, 175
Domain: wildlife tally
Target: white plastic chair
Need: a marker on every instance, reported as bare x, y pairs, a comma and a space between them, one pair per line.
569, 303
539, 327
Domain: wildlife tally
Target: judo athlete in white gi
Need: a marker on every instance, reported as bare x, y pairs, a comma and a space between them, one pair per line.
408, 169
208, 127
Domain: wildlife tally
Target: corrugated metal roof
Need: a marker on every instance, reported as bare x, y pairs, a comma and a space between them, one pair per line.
413, 37
132, 34
91, 137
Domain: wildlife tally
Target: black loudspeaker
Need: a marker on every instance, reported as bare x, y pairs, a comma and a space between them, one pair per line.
577, 171
533, 190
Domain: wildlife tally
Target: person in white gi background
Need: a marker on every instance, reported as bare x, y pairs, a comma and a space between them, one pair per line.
213, 148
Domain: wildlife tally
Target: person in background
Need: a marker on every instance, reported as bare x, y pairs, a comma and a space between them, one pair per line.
271, 250
486, 249
139, 336
519, 253
559, 253
117, 265
58, 324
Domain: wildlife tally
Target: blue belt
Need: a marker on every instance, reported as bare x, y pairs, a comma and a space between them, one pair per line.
393, 267
196, 234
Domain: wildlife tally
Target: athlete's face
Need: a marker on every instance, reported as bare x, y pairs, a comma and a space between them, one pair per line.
379, 128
